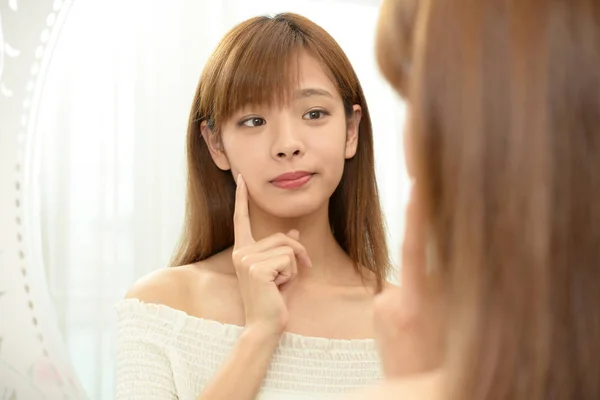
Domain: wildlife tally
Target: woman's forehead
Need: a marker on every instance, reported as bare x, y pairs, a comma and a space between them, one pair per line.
304, 77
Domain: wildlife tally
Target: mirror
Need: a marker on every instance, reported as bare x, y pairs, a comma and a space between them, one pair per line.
94, 102
34, 361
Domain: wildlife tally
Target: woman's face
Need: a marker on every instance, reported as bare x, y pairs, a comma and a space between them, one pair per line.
292, 157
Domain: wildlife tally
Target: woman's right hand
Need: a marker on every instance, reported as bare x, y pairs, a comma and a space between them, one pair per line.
263, 267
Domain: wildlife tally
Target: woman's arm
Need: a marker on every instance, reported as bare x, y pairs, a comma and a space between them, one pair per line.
241, 375
426, 386
143, 367
143, 372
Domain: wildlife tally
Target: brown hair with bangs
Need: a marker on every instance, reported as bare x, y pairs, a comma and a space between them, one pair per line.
505, 137
254, 63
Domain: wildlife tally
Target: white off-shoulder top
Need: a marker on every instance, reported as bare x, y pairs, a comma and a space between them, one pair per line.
163, 353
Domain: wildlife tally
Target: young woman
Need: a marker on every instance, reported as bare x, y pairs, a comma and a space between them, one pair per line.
284, 245
504, 146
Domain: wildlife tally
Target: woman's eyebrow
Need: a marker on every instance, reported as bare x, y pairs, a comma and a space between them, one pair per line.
308, 92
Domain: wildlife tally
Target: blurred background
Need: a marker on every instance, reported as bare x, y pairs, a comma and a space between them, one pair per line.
107, 163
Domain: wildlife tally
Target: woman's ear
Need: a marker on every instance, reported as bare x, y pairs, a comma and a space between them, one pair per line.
215, 147
352, 131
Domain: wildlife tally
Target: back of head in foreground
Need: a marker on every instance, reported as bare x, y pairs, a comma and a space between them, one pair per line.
504, 147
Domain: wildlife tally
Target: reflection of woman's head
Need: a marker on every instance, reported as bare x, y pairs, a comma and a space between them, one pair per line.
278, 95
504, 147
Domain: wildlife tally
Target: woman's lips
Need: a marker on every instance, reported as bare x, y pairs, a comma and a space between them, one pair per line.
292, 180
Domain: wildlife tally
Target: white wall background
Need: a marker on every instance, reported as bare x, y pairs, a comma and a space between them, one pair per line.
111, 129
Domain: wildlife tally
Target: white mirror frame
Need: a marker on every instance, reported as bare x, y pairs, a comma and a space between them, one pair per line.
34, 362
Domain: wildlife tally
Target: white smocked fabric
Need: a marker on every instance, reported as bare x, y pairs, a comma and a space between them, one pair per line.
163, 353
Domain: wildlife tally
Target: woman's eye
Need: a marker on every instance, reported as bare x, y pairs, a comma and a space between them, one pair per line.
314, 114
252, 122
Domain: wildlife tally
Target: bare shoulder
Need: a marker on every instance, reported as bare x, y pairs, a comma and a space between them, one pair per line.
190, 288
422, 387
167, 286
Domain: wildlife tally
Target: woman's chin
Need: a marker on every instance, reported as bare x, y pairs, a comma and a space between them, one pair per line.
293, 212
293, 208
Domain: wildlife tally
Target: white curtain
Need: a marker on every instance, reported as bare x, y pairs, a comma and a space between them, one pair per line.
111, 131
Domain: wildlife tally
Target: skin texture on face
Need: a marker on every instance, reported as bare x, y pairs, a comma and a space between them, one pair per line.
312, 133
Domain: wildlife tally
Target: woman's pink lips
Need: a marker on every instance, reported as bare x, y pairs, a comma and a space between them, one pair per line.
292, 180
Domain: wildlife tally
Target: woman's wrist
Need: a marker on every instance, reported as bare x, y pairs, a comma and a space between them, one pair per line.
261, 336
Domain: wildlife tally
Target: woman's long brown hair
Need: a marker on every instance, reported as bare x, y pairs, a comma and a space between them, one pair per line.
505, 147
255, 63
